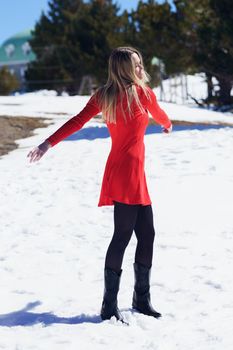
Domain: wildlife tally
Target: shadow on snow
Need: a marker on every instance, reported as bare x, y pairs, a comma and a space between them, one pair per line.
96, 132
26, 318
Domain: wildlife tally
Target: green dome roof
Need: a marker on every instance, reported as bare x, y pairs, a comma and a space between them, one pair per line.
16, 49
25, 35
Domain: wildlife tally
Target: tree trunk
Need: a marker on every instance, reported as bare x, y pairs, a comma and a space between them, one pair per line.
225, 86
210, 87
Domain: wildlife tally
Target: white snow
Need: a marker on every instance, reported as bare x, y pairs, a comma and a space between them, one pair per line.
54, 238
185, 88
46, 104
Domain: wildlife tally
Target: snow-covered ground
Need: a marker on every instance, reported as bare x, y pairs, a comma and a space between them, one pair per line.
185, 88
46, 104
54, 238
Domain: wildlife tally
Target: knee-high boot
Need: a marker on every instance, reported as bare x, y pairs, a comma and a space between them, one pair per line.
141, 295
111, 287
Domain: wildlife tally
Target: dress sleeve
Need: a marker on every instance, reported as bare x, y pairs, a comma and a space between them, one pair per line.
75, 123
156, 112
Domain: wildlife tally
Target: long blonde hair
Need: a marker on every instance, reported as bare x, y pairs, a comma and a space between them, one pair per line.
121, 79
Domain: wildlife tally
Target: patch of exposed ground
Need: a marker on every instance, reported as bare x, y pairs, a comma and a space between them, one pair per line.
13, 128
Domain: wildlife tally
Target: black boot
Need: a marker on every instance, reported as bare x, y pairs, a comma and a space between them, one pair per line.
111, 288
141, 295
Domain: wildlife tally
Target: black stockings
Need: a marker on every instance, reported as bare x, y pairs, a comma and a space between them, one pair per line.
129, 218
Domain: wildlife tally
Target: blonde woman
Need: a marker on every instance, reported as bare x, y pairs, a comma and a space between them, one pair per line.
124, 100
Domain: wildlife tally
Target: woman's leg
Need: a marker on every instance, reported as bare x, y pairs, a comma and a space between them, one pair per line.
125, 217
124, 221
145, 233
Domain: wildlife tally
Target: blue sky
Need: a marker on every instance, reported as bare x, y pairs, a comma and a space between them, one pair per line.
18, 15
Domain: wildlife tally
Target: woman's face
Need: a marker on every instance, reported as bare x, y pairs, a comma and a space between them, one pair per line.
138, 66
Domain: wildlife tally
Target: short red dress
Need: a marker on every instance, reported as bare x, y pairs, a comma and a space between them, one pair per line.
124, 177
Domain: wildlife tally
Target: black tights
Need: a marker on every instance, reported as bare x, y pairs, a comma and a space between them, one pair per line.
127, 218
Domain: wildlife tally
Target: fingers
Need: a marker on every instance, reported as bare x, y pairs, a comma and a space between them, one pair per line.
35, 155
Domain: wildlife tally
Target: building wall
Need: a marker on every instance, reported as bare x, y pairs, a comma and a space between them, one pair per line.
16, 53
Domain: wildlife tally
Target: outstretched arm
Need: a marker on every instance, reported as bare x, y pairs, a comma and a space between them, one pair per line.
157, 112
74, 124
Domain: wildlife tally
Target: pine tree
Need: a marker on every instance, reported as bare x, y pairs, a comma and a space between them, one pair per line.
158, 35
97, 33
222, 48
73, 41
56, 52
208, 32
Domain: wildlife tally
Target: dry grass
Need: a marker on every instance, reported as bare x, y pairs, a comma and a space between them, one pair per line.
13, 128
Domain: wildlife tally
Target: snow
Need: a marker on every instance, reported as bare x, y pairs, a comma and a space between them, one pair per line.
183, 88
54, 238
46, 104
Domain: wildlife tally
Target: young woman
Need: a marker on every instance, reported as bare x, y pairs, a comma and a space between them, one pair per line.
124, 100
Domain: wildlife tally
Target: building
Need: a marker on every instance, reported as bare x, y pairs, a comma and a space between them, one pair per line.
16, 53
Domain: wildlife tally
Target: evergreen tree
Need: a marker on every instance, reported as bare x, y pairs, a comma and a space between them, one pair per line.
97, 33
72, 41
56, 52
207, 27
221, 61
158, 35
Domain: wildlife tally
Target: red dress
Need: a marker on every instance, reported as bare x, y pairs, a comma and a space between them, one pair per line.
124, 176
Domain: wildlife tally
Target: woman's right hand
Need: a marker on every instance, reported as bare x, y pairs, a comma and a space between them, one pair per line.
38, 152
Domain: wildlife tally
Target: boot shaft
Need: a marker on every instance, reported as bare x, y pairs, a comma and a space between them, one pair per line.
142, 278
111, 284
141, 294
111, 287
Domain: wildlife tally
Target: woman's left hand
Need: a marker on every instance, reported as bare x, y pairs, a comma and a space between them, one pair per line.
167, 130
